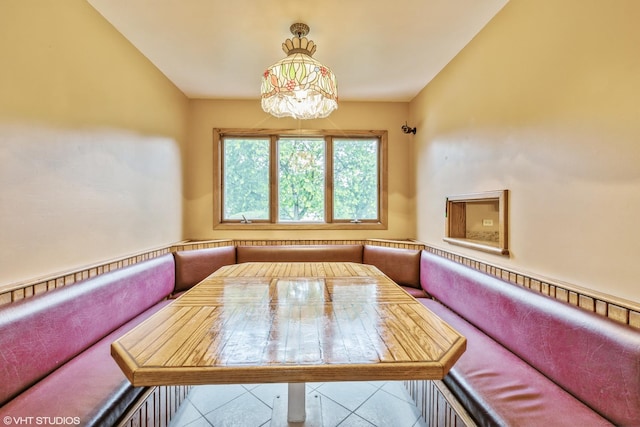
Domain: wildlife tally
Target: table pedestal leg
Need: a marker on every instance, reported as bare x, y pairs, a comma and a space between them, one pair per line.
297, 400
297, 411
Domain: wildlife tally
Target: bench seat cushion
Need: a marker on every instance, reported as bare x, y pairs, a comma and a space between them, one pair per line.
499, 388
90, 386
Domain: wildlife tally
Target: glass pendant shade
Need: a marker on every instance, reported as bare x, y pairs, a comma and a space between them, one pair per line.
298, 86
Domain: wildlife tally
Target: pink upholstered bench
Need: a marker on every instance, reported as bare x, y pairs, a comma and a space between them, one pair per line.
55, 356
532, 360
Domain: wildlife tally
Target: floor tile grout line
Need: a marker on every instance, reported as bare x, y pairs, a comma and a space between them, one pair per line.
223, 405
354, 412
270, 405
365, 401
324, 396
201, 417
355, 415
410, 401
196, 407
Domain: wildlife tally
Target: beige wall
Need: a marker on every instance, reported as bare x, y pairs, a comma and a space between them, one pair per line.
91, 135
543, 102
208, 114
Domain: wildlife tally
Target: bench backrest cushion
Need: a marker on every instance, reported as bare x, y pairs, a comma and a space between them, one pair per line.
194, 266
401, 265
592, 357
39, 334
300, 253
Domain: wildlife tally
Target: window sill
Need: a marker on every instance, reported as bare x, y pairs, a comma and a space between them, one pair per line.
490, 247
303, 226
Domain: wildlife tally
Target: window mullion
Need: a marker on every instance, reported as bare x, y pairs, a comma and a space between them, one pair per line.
218, 182
328, 194
273, 179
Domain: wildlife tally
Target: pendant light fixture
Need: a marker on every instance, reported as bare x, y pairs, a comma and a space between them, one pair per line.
298, 86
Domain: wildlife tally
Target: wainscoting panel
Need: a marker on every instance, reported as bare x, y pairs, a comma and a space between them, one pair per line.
439, 408
156, 407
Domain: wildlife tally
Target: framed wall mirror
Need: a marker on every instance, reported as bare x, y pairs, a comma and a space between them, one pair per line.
478, 221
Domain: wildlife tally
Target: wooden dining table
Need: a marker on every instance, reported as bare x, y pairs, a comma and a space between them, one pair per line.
290, 323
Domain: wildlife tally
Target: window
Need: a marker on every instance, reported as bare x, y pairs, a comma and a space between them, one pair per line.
299, 179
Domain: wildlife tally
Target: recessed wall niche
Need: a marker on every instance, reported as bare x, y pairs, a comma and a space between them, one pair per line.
478, 221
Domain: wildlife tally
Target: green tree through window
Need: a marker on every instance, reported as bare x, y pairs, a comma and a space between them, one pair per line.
301, 179
246, 178
355, 175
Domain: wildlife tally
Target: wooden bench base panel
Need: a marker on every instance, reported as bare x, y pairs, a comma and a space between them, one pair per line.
439, 408
156, 407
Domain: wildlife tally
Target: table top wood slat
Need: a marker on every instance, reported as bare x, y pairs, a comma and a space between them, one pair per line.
289, 322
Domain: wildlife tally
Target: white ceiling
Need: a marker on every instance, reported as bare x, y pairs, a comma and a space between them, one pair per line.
379, 50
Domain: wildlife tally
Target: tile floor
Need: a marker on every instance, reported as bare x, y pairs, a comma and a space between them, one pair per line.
352, 404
